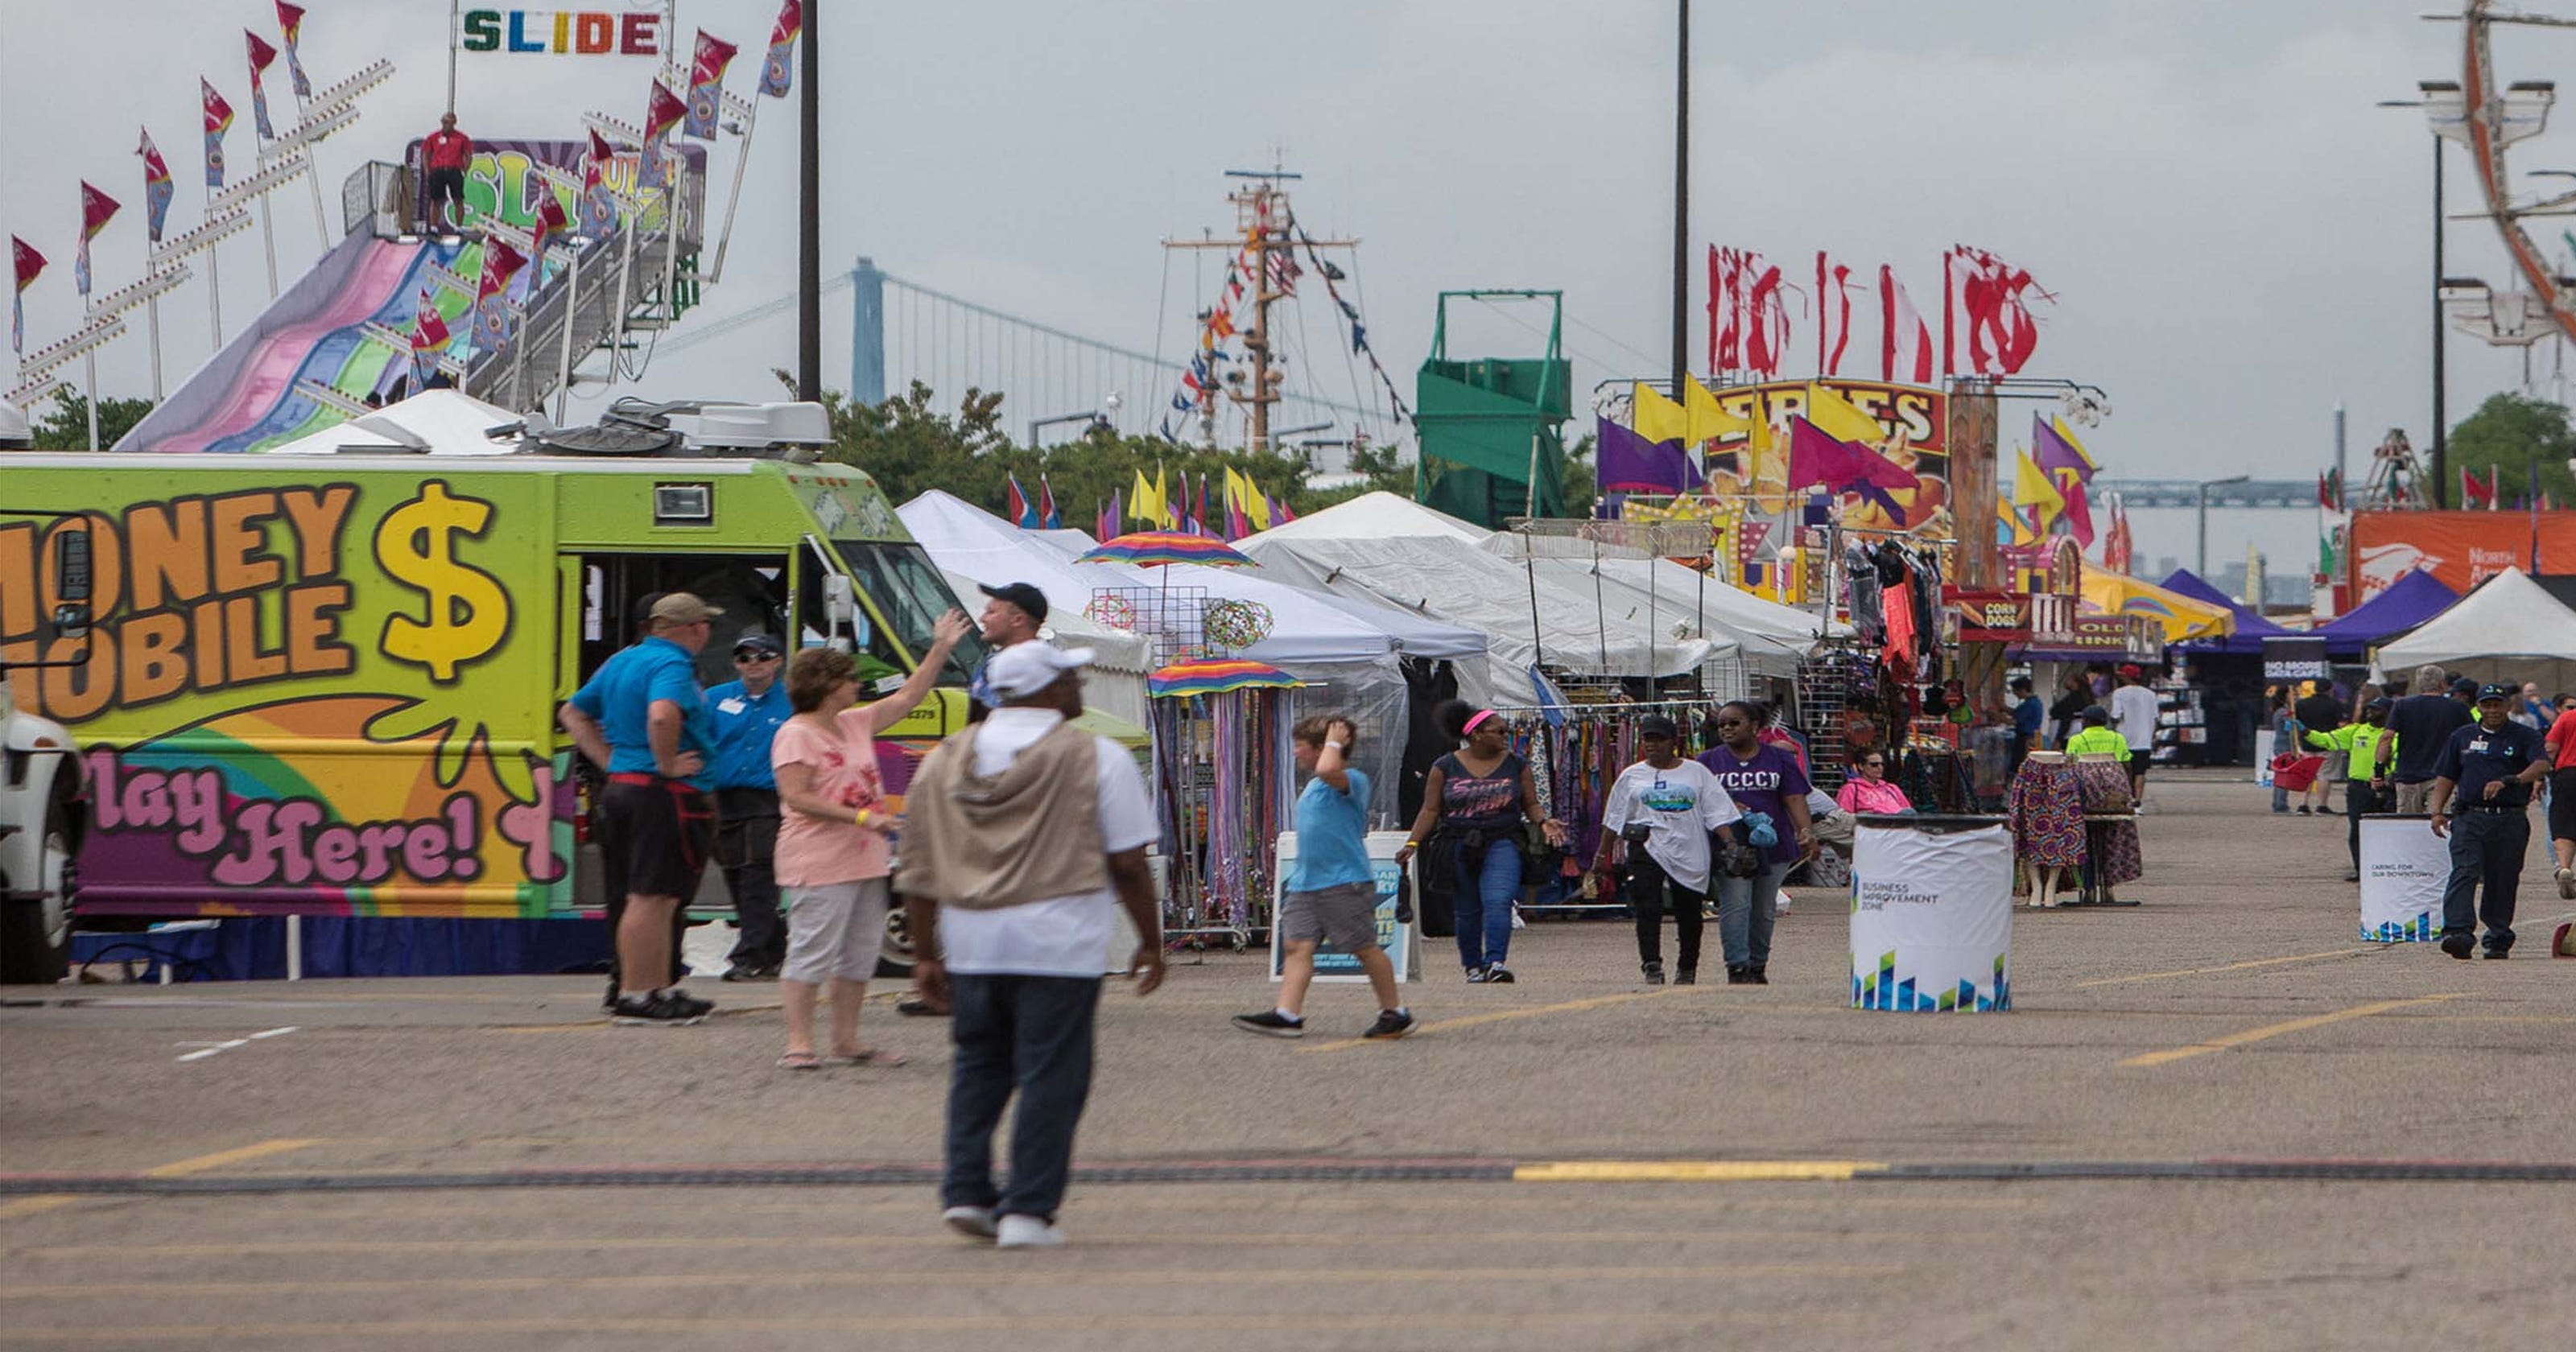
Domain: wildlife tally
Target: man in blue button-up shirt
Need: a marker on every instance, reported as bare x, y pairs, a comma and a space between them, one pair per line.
744, 715
641, 719
2481, 799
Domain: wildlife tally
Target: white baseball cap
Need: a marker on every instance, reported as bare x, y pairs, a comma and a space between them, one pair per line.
1024, 669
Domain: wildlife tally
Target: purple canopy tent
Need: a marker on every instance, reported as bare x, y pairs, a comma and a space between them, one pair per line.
2251, 628
2407, 603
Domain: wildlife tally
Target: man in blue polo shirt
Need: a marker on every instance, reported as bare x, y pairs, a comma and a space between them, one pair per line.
743, 715
640, 718
2481, 799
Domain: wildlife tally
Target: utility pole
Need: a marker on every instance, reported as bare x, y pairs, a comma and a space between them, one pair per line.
809, 221
1265, 226
1681, 198
2441, 415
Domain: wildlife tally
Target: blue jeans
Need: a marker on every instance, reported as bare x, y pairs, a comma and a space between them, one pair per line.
1484, 903
2486, 857
1746, 908
1031, 1034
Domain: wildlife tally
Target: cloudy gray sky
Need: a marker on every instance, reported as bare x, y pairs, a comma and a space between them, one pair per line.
2237, 238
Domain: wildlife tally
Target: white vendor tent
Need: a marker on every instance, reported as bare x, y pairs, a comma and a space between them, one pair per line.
1659, 591
1346, 649
1120, 660
2509, 630
1373, 516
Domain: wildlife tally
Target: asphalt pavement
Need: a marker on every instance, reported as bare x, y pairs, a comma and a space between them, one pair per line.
1575, 1160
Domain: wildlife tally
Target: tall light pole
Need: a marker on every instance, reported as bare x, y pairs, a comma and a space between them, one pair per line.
2201, 563
2438, 95
1681, 198
809, 220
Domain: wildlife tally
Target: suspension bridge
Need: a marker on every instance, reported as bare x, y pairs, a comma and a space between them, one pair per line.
1053, 381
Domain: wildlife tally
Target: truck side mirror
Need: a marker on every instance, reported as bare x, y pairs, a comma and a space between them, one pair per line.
71, 620
71, 564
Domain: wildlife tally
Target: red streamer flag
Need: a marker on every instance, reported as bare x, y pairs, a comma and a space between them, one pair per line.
261, 57
290, 25
1905, 345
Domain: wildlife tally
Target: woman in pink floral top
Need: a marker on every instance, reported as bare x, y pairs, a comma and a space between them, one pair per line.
1868, 790
832, 861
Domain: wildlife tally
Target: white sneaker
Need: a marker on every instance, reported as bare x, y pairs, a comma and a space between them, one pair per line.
2566, 884
1028, 1232
974, 1222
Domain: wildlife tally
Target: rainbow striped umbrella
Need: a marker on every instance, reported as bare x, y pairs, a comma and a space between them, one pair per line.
1215, 676
1154, 548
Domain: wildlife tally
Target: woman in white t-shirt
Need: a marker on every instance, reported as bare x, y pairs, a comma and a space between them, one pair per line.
832, 859
1668, 806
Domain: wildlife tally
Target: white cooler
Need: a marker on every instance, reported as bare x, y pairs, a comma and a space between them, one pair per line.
1931, 913
2403, 868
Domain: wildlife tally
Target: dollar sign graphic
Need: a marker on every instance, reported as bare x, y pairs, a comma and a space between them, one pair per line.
468, 611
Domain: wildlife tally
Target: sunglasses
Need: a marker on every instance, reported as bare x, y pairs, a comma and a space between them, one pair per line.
1874, 765
755, 657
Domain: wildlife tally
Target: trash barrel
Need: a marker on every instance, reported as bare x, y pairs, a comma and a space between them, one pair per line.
1931, 913
2403, 868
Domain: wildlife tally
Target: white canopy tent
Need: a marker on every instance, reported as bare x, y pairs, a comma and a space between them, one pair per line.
452, 421
1373, 516
1346, 649
1120, 660
2509, 630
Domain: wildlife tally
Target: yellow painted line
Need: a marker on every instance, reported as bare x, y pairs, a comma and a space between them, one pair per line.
1693, 1171
2204, 971
2273, 1030
217, 1160
725, 1326
941, 1239
1261, 1276
1505, 1016
29, 1206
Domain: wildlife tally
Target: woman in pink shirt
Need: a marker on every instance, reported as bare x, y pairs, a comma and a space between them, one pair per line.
1868, 790
831, 860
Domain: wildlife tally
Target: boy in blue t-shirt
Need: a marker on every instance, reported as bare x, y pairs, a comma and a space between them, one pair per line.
1332, 893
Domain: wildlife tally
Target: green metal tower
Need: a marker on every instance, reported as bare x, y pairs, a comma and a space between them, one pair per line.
1489, 429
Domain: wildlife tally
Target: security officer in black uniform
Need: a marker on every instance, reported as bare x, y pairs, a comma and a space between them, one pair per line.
2481, 799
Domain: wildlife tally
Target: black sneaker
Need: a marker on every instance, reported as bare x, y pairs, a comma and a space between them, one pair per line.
747, 971
1654, 972
1477, 976
1739, 976
1498, 974
1758, 975
2498, 953
1391, 1023
1688, 976
661, 1009
1269, 1023
2458, 945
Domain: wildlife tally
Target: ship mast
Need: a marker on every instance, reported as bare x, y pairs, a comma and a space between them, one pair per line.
1263, 225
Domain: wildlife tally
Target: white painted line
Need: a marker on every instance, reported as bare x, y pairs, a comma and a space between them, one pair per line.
206, 1049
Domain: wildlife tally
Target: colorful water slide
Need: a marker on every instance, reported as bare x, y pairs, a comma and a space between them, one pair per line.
245, 398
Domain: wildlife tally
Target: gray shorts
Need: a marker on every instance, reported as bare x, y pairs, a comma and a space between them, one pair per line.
1344, 916
834, 931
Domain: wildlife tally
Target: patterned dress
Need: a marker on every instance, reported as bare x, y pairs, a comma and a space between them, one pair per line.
2046, 810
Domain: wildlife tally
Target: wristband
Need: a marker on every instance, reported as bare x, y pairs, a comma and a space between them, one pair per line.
1337, 746
860, 818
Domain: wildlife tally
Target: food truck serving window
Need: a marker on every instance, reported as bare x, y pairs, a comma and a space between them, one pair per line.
907, 587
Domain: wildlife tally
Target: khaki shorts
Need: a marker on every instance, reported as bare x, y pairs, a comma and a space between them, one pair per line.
1344, 916
834, 931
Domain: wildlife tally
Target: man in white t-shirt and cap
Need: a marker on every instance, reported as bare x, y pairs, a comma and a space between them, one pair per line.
1023, 836
2133, 714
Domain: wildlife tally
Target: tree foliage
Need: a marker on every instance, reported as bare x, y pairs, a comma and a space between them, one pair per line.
2513, 434
66, 427
911, 443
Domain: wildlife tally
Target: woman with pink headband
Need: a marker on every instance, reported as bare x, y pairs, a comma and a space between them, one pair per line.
1473, 805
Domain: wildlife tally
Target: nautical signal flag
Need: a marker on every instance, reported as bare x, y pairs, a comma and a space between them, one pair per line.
24, 264
290, 25
1016, 505
778, 68
1048, 517
157, 187
429, 338
2035, 492
706, 85
1840, 419
97, 209
219, 119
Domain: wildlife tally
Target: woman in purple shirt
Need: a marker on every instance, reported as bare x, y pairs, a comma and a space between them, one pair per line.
1761, 778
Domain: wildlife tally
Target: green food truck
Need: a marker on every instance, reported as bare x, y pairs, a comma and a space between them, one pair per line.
326, 684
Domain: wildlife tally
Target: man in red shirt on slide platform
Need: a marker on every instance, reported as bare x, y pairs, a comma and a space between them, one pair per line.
443, 157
